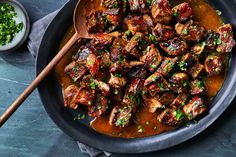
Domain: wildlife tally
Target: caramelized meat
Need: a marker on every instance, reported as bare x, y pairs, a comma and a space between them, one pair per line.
110, 4
179, 82
198, 49
138, 71
166, 98
95, 22
196, 70
163, 32
174, 47
103, 87
167, 66
119, 67
187, 61
117, 82
135, 23
118, 49
152, 58
71, 97
156, 84
213, 65
161, 11
152, 103
86, 96
100, 106
226, 39
92, 64
194, 108
138, 6
100, 41
134, 42
121, 116
117, 94
148, 21
75, 71
113, 16
179, 101
183, 12
197, 87
212, 39
171, 117
190, 31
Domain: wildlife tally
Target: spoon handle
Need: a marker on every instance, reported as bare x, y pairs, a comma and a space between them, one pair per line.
6, 115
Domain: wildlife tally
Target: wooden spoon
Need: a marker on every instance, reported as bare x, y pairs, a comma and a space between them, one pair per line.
83, 8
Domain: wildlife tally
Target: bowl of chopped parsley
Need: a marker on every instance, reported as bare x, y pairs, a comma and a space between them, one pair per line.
14, 25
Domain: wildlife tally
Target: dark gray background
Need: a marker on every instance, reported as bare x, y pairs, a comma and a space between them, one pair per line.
31, 133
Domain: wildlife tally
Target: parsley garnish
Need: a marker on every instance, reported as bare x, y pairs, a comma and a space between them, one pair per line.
179, 115
93, 84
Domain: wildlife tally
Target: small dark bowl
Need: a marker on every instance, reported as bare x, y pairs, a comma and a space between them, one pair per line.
51, 95
20, 37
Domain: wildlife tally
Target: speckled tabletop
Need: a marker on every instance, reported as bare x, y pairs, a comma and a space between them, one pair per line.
31, 133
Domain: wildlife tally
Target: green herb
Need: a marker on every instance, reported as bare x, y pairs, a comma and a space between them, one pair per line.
121, 122
179, 115
80, 117
161, 86
185, 31
218, 12
8, 26
152, 38
118, 75
93, 84
153, 66
121, 59
182, 65
199, 84
140, 129
128, 32
149, 3
115, 5
217, 41
176, 14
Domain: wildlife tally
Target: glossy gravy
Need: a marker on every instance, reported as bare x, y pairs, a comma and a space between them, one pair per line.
145, 123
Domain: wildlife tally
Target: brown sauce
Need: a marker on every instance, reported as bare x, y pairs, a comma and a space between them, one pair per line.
145, 123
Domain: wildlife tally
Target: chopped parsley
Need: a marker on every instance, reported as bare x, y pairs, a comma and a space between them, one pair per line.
8, 26
199, 84
149, 3
128, 33
176, 14
80, 117
118, 75
93, 84
153, 66
152, 38
179, 115
121, 122
185, 31
182, 65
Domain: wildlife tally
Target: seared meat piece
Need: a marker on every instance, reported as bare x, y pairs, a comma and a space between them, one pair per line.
183, 12
196, 70
103, 87
163, 32
86, 96
75, 71
179, 101
174, 47
100, 106
197, 87
121, 116
105, 60
148, 21
95, 22
86, 81
166, 98
117, 94
226, 39
92, 64
100, 41
156, 84
212, 39
135, 63
138, 71
119, 67
133, 89
152, 103
117, 82
114, 16
82, 55
194, 108
135, 23
138, 6
118, 49
109, 4
167, 66
171, 117
134, 42
152, 58
187, 61
71, 96
190, 31
213, 65
179, 82
161, 11
198, 49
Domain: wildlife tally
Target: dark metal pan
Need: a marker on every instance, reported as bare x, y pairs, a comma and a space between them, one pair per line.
51, 95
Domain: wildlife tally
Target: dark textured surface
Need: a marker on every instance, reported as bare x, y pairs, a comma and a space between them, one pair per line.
30, 132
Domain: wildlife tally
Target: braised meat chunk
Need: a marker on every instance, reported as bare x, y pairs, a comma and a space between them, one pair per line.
152, 103
161, 11
212, 39
110, 4
113, 17
179, 101
171, 117
227, 41
183, 12
117, 81
194, 108
95, 22
179, 82
75, 71
190, 31
174, 47
197, 87
138, 6
71, 97
92, 64
187, 61
167, 66
135, 23
121, 116
118, 49
134, 42
196, 70
163, 32
213, 65
99, 107
152, 58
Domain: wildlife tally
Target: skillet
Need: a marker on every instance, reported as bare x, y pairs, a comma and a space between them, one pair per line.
51, 95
